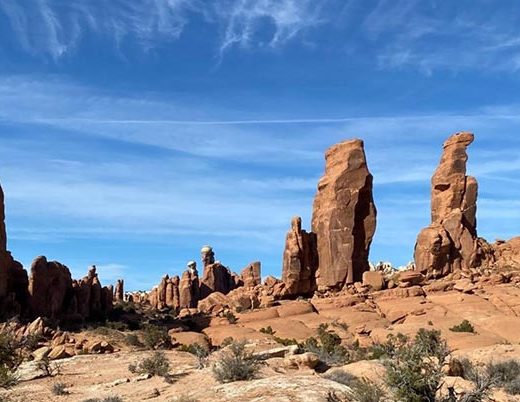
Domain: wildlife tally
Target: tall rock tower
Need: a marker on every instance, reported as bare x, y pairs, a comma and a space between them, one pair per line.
344, 216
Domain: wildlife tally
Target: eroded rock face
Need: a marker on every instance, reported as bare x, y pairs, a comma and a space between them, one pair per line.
119, 294
251, 275
300, 260
50, 288
13, 278
450, 243
216, 278
189, 293
344, 216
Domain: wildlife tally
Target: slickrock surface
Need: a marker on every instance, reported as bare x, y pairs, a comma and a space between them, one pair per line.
344, 216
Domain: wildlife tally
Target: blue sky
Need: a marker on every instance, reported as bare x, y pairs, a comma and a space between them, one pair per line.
133, 133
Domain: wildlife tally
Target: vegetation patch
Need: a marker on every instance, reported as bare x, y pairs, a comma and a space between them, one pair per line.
464, 326
236, 364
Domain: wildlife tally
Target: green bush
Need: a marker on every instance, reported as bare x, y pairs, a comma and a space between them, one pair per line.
414, 367
106, 399
155, 337
362, 389
59, 389
133, 340
285, 341
464, 326
236, 364
267, 330
155, 365
230, 317
200, 352
327, 346
506, 375
10, 359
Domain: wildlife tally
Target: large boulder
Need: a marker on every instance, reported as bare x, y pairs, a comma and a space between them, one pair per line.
300, 260
344, 216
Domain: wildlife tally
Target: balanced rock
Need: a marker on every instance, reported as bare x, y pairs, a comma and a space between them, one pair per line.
300, 260
344, 216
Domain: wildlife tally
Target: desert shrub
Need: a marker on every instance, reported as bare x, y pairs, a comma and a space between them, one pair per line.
227, 341
106, 399
200, 352
362, 389
10, 359
155, 337
267, 330
230, 317
340, 376
48, 368
236, 364
327, 346
464, 326
340, 324
506, 375
59, 389
285, 341
366, 391
155, 365
32, 342
117, 325
414, 367
133, 340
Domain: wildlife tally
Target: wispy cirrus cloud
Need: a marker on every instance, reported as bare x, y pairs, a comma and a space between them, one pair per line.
244, 19
436, 35
55, 28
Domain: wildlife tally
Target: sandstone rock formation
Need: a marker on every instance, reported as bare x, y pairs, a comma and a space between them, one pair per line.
300, 260
216, 278
189, 292
50, 288
119, 293
344, 216
450, 243
13, 278
53, 293
251, 275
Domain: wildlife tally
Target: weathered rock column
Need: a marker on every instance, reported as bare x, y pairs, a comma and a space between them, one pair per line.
300, 261
344, 216
450, 243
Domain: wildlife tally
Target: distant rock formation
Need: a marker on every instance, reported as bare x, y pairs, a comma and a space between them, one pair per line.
13, 278
119, 293
300, 260
450, 243
344, 216
53, 293
189, 289
251, 275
